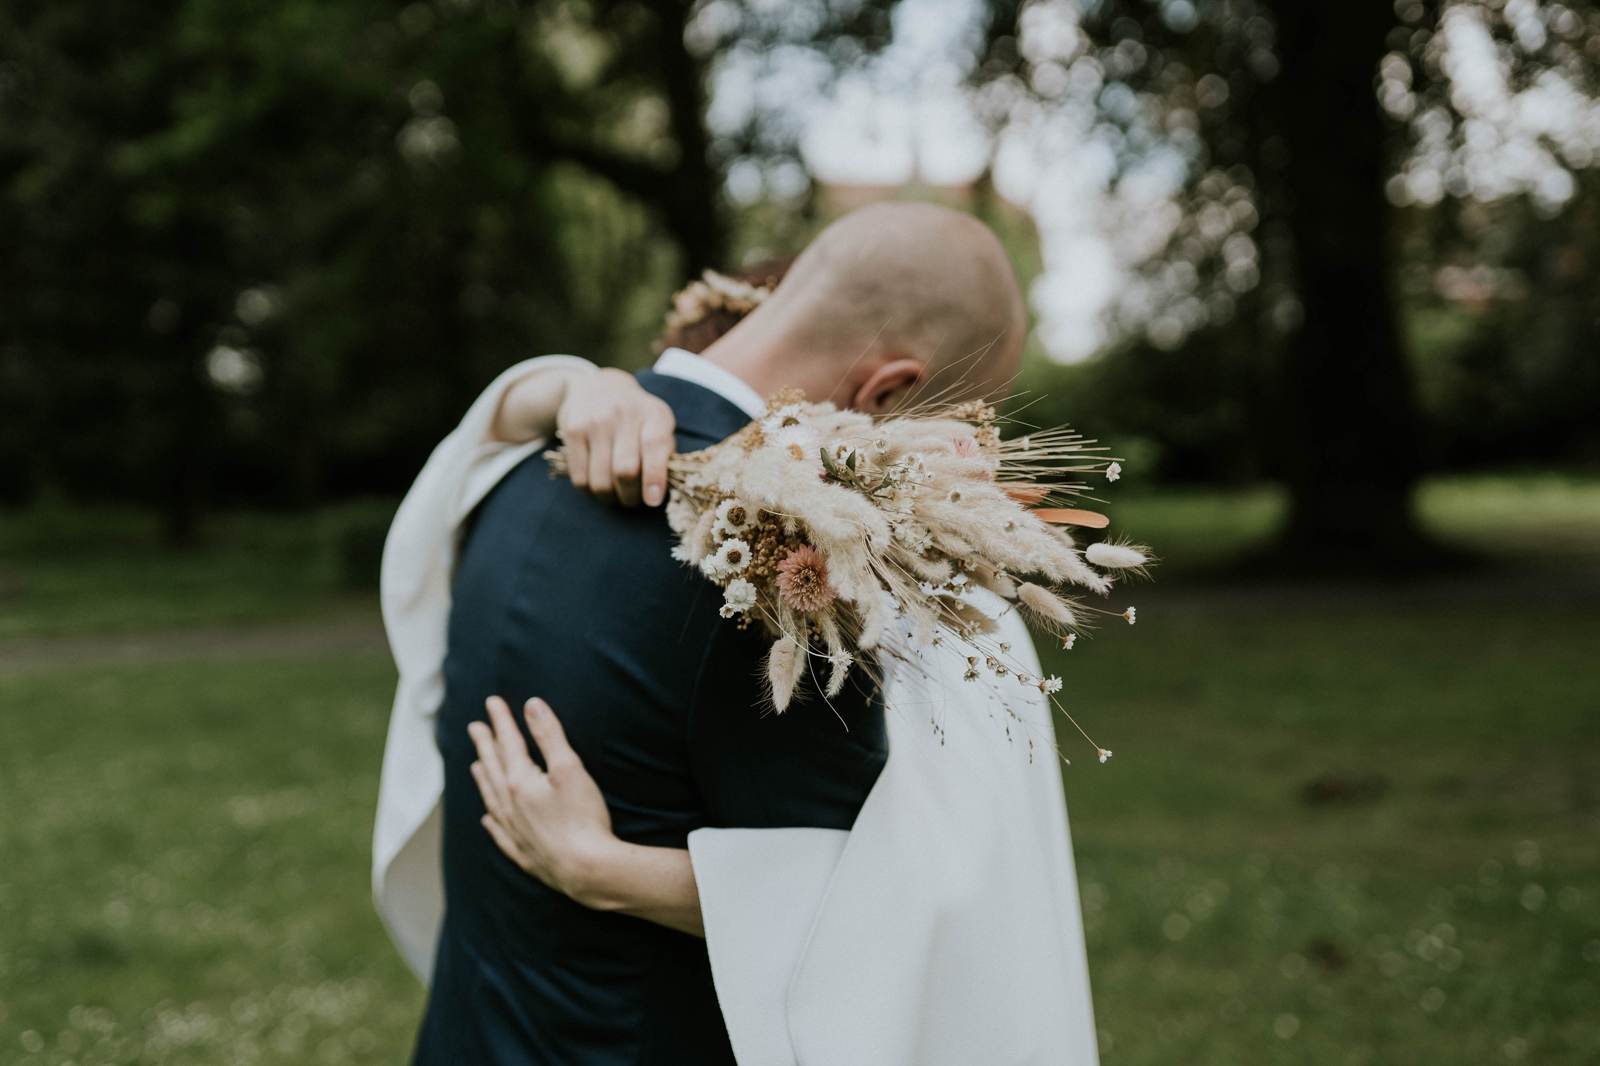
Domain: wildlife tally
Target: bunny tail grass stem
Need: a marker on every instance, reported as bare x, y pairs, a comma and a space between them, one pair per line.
783, 671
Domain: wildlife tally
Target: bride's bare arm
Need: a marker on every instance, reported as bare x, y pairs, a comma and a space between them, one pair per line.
617, 435
554, 824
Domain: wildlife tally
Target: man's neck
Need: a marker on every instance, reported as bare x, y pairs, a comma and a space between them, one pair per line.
768, 363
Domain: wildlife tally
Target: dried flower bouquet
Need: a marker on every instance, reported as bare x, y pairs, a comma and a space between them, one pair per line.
827, 526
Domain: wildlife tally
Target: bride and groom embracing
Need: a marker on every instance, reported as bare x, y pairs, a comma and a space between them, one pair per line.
648, 865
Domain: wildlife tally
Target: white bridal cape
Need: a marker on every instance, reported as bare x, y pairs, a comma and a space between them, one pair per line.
942, 930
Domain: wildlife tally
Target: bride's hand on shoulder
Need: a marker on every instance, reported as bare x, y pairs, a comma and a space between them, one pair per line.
617, 436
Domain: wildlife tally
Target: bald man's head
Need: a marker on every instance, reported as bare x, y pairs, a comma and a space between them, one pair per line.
887, 286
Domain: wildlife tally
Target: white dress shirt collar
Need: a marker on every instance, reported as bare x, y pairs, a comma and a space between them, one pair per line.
677, 363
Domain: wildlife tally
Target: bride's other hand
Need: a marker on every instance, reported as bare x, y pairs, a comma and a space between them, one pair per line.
554, 824
617, 435
551, 822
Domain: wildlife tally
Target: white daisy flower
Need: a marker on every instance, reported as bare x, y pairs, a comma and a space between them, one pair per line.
737, 598
733, 518
1104, 754
1129, 614
1052, 685
1066, 645
731, 557
1113, 471
800, 441
791, 414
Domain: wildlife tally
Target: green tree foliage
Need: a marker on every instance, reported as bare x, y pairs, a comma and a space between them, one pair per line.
1505, 328
271, 248
1310, 381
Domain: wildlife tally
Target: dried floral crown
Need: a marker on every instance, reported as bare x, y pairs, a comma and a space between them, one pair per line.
714, 292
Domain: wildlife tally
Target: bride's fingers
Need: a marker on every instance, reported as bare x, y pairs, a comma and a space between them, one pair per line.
493, 784
550, 737
600, 450
625, 460
506, 843
576, 444
512, 751
496, 800
655, 446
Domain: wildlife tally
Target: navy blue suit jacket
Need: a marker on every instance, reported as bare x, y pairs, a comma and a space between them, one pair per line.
561, 596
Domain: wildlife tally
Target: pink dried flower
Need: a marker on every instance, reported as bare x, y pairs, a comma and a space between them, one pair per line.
803, 580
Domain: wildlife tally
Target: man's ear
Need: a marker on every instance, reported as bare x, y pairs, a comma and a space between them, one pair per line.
888, 386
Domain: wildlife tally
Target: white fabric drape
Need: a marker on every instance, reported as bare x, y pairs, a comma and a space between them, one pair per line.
948, 932
418, 561
942, 930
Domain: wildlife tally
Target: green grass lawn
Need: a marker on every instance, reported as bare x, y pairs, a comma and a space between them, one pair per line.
1356, 832
1540, 519
185, 873
65, 571
1437, 901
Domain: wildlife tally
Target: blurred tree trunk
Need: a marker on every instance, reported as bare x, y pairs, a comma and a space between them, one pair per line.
691, 200
685, 193
1351, 423
183, 495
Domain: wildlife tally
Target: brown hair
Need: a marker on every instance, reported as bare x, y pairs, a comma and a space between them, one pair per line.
698, 335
